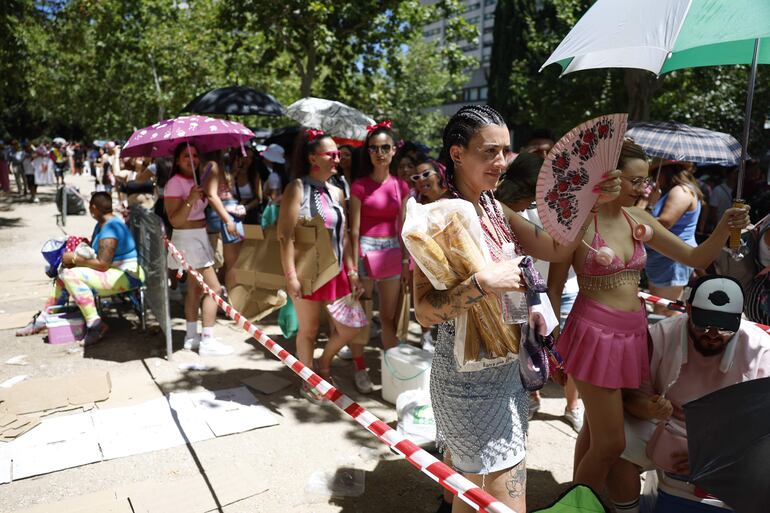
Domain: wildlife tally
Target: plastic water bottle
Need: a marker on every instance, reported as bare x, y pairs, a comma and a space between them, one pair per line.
514, 304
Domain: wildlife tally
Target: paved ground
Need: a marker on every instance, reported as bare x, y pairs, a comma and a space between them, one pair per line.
308, 438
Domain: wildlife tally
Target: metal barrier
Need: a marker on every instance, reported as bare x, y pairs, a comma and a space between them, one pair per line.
147, 229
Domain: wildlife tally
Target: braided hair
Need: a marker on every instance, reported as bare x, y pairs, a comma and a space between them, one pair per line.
459, 131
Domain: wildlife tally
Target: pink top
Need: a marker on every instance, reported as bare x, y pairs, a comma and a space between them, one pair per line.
380, 205
179, 187
637, 261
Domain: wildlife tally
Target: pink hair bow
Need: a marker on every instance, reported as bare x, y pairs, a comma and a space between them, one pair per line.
313, 134
382, 124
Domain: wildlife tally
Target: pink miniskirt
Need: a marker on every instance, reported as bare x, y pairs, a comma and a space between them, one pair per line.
605, 346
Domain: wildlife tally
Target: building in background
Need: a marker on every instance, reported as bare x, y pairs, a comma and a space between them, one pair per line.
480, 13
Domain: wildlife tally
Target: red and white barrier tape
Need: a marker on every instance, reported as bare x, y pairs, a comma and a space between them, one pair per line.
421, 459
679, 306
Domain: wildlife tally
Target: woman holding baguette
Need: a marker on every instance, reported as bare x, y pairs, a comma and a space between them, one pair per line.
481, 416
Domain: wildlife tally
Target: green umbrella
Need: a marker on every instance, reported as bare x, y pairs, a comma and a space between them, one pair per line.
666, 35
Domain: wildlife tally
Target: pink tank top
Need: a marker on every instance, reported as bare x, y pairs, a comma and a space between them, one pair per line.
637, 262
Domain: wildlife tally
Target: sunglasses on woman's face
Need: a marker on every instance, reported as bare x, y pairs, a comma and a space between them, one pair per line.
383, 148
332, 154
422, 176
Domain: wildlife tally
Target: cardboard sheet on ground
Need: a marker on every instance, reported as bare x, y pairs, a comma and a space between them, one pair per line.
188, 494
36, 395
266, 382
145, 427
232, 410
5, 464
129, 387
58, 443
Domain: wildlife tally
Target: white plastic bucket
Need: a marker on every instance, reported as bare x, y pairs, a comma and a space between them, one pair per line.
404, 367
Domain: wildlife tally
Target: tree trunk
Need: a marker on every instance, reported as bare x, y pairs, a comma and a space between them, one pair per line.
640, 85
158, 90
309, 75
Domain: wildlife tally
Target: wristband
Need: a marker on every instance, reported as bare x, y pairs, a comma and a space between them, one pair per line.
74, 258
476, 284
291, 274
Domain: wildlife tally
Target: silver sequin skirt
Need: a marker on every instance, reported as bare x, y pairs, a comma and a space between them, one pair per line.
481, 417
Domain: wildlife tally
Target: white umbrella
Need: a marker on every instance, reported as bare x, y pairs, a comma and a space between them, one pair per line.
666, 35
334, 118
59, 140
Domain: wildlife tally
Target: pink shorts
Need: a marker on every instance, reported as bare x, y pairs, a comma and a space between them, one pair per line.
605, 346
332, 290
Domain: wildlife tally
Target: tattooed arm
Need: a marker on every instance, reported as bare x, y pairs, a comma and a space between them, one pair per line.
433, 306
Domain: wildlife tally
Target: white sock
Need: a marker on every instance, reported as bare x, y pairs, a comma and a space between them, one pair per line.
627, 507
208, 332
192, 329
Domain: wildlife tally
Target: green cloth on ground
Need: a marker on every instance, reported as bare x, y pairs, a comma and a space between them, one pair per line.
578, 499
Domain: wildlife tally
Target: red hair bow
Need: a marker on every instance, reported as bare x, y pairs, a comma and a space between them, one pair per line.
382, 124
313, 134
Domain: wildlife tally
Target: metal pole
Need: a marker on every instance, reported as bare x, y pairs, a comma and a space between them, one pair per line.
735, 234
64, 205
747, 121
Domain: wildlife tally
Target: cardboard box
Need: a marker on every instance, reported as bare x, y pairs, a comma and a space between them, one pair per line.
259, 262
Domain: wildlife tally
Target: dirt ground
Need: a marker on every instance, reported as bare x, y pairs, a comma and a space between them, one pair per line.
308, 438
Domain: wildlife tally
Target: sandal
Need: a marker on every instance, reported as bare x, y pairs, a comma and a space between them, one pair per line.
32, 328
311, 394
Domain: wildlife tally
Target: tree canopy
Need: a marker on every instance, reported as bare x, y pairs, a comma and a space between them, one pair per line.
100, 68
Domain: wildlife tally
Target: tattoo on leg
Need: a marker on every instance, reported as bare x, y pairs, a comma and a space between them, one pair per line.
517, 484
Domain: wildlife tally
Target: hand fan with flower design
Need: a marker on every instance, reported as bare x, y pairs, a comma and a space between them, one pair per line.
575, 165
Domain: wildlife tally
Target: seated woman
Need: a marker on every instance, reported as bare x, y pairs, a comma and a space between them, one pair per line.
115, 269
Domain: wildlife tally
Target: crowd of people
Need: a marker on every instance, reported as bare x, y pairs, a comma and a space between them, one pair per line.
664, 222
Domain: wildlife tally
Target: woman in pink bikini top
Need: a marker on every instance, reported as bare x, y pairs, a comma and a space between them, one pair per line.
604, 341
603, 269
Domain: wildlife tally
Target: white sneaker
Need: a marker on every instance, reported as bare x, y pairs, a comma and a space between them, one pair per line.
213, 347
345, 353
192, 343
427, 342
363, 381
575, 418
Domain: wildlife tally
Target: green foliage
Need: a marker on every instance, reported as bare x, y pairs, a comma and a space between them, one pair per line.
100, 68
526, 32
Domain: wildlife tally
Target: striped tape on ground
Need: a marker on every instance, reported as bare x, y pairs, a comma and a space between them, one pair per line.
418, 457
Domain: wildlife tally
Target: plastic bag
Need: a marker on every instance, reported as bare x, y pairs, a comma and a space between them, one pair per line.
415, 417
287, 319
445, 240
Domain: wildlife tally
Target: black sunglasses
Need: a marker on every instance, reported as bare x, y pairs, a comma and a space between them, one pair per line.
384, 148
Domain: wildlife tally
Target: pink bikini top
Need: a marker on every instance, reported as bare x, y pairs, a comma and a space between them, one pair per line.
637, 262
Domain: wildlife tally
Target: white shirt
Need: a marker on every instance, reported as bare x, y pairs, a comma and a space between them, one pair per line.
571, 285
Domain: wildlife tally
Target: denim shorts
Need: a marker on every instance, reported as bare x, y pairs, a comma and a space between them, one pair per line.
214, 222
366, 244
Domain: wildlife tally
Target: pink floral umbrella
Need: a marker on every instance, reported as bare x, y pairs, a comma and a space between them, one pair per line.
206, 133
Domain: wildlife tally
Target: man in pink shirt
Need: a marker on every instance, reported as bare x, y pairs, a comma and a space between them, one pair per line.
691, 356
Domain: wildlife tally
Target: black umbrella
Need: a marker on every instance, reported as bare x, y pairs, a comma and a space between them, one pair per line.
728, 439
235, 100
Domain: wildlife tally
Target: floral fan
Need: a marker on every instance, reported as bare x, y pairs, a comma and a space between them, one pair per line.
573, 168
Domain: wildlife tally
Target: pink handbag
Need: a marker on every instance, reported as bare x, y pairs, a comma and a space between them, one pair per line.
383, 263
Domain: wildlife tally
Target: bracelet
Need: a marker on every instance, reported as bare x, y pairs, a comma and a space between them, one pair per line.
476, 284
291, 274
74, 258
352, 274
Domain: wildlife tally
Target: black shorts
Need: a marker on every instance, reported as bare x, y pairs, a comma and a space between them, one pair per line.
30, 180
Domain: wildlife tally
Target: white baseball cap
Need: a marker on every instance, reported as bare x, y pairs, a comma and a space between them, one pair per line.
274, 153
717, 301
